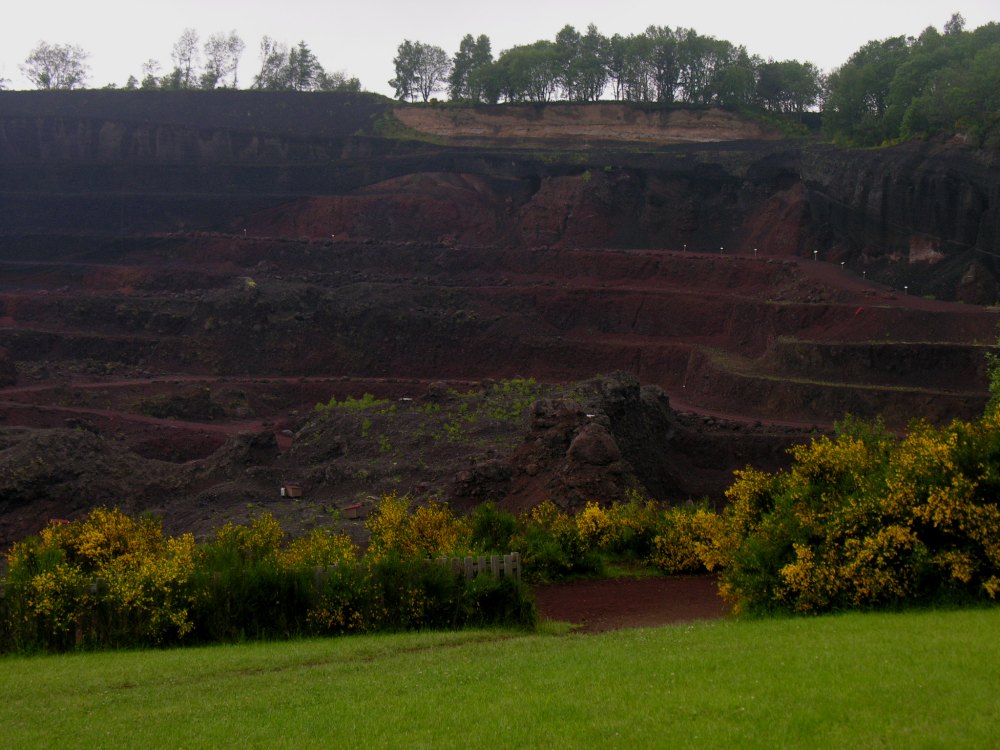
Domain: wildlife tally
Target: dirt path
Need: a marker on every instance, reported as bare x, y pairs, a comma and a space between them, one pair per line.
598, 606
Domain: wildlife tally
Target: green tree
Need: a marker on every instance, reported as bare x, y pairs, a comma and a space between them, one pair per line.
421, 70
663, 63
981, 117
432, 70
149, 78
296, 69
305, 72
528, 73
616, 64
185, 57
859, 91
628, 66
955, 25
930, 53
338, 81
735, 78
486, 83
712, 70
56, 66
592, 76
788, 86
222, 58
473, 54
568, 54
580, 63
916, 88
274, 72
951, 87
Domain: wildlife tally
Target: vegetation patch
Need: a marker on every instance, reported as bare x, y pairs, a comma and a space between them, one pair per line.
112, 581
866, 519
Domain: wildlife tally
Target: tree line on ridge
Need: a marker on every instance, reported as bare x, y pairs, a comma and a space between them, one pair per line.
899, 88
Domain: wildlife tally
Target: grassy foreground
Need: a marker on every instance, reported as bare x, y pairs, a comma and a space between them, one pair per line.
927, 679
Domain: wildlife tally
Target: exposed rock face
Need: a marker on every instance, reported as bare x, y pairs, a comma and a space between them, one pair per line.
919, 213
601, 121
926, 212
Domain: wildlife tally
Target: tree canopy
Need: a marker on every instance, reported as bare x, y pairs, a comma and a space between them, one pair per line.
421, 70
659, 65
222, 58
465, 80
902, 88
56, 66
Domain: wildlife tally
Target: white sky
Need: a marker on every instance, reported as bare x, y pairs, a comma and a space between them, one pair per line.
360, 37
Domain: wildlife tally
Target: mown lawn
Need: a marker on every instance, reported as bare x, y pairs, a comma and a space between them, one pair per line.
928, 679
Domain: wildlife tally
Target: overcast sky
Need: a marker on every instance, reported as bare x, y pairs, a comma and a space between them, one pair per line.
360, 37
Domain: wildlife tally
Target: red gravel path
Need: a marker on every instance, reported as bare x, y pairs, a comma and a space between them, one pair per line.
597, 606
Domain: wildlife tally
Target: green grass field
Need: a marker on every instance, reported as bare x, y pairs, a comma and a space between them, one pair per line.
927, 679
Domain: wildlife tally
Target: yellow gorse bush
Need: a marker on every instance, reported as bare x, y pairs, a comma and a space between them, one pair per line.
594, 525
864, 519
320, 547
137, 575
636, 518
58, 598
260, 540
429, 531
549, 516
387, 525
110, 580
434, 530
686, 540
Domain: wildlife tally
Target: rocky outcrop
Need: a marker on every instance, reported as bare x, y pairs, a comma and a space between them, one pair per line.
923, 213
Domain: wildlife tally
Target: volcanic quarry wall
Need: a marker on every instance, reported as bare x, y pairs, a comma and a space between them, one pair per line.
129, 163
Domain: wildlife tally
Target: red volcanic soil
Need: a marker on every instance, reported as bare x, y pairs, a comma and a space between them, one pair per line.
170, 348
598, 606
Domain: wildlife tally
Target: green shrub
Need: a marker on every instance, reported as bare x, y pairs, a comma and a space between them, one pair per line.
498, 601
411, 594
492, 529
253, 600
367, 401
551, 546
635, 524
